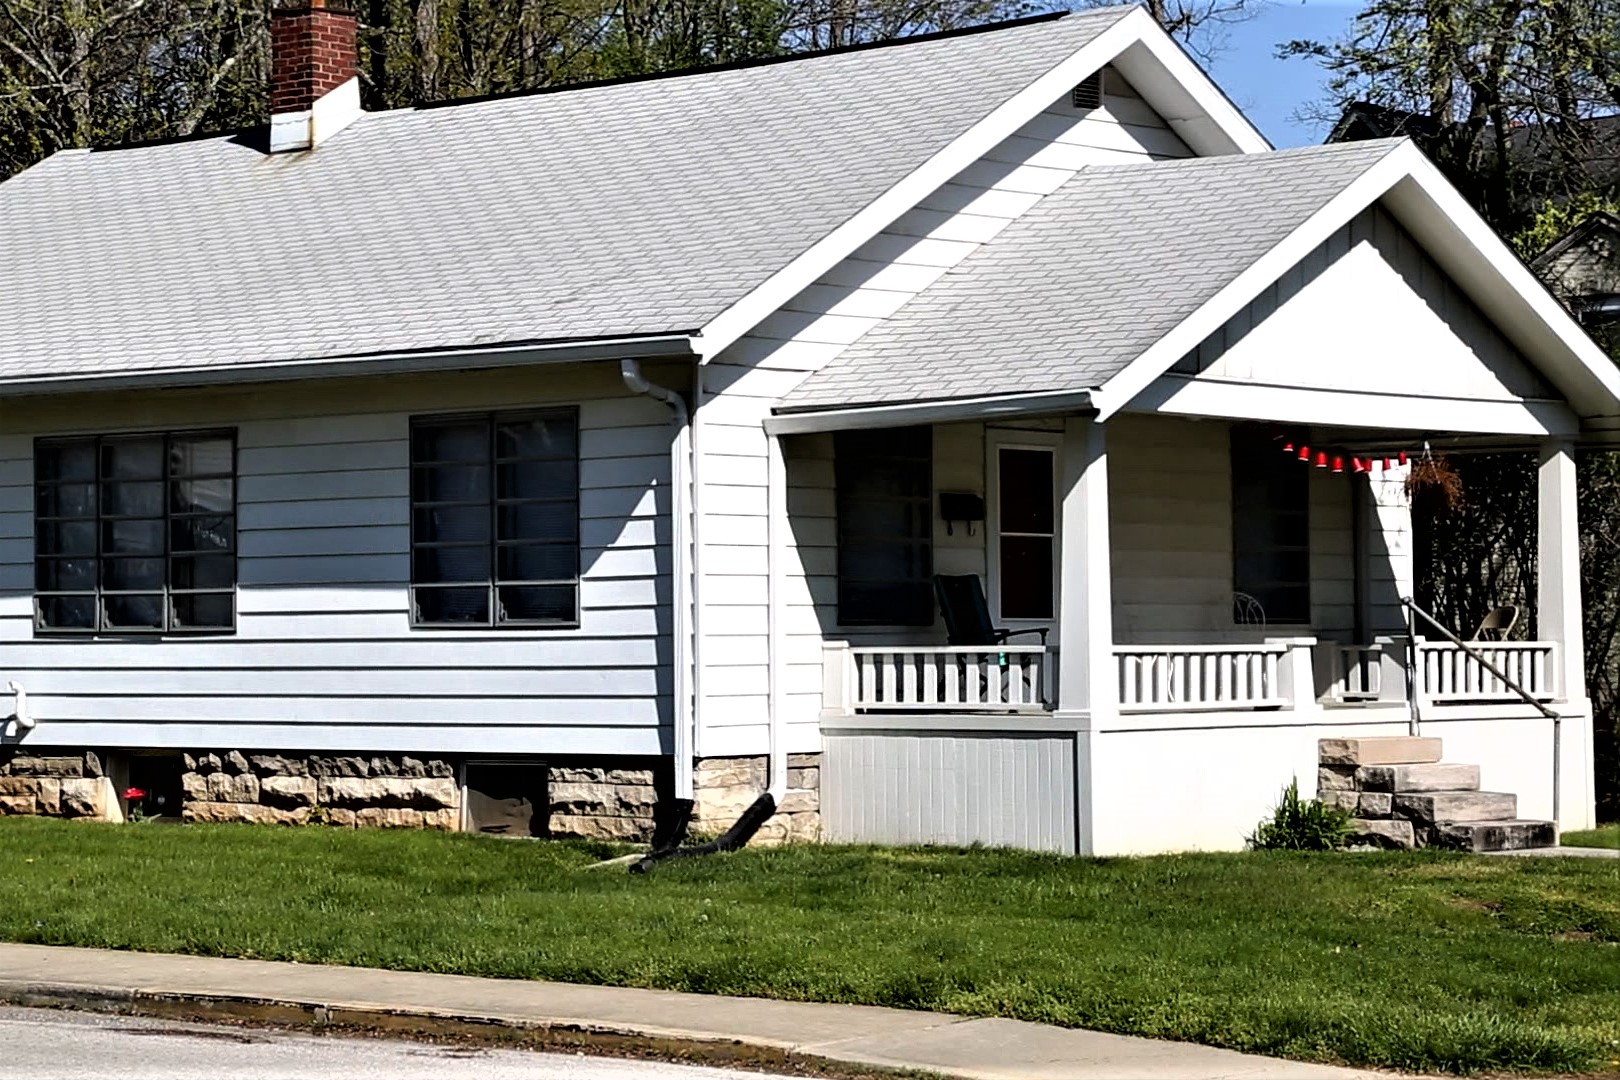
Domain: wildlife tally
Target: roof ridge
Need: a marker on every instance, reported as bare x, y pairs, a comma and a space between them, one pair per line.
257, 130
1117, 10
1374, 148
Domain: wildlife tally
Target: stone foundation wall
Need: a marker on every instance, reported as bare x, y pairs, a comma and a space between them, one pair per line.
604, 803
55, 785
348, 791
593, 801
725, 787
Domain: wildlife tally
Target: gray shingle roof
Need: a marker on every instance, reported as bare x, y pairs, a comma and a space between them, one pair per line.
1082, 284
633, 208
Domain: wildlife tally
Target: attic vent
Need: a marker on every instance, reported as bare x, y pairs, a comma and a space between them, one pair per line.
1088, 94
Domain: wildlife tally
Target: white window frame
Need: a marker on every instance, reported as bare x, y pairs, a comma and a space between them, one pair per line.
995, 442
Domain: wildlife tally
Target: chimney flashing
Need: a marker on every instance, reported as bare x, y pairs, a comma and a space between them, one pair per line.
308, 128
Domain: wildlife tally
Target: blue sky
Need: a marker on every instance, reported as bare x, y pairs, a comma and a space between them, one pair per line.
1269, 90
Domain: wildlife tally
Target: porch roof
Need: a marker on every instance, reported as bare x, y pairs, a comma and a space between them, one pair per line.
1108, 281
1067, 296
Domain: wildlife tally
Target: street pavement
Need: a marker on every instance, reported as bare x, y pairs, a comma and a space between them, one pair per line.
48, 1044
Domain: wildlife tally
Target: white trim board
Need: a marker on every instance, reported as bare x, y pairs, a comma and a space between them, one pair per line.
1185, 395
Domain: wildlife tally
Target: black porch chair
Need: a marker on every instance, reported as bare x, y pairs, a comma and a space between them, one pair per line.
967, 615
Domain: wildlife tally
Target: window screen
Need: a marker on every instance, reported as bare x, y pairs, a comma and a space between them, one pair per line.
885, 526
1271, 555
135, 533
495, 520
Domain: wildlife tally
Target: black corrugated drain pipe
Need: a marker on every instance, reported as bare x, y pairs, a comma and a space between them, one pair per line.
757, 814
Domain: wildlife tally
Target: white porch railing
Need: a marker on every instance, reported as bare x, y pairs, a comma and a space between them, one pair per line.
1448, 674
1009, 678
1357, 673
1183, 678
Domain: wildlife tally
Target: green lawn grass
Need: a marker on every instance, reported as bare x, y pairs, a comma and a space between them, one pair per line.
1415, 961
1604, 836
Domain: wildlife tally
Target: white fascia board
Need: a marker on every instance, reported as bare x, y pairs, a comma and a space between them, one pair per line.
1226, 129
1194, 107
1503, 288
1158, 358
928, 412
1182, 395
670, 347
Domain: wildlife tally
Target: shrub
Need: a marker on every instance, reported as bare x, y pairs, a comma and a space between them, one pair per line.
1301, 825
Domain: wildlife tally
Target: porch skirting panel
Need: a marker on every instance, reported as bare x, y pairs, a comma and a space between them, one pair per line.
997, 788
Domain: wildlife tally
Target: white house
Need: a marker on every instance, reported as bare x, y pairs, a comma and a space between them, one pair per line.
527, 464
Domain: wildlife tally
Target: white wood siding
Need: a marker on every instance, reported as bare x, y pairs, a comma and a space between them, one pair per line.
741, 385
1170, 526
323, 656
1380, 316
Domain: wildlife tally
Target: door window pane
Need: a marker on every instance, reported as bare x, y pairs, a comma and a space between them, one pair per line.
1026, 577
1026, 541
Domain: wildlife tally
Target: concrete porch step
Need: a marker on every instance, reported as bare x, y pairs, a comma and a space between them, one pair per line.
1511, 835
1403, 778
1436, 807
1378, 750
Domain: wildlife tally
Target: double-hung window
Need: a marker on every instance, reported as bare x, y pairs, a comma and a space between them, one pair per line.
135, 533
495, 519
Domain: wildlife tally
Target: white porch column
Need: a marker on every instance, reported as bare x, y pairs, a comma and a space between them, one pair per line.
1088, 693
1558, 619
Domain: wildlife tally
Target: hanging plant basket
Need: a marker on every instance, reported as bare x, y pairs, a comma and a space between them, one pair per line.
1435, 481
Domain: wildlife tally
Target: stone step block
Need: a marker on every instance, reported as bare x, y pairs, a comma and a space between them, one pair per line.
1382, 832
1378, 750
1512, 835
1434, 807
1433, 777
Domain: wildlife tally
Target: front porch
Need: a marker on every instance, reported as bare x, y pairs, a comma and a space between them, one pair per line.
1164, 682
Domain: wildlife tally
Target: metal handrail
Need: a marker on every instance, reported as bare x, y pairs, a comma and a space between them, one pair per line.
1512, 684
1413, 676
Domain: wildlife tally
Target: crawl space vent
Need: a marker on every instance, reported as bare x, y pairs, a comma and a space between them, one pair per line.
1088, 94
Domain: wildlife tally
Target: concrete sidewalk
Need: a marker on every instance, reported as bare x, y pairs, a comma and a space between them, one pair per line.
695, 1025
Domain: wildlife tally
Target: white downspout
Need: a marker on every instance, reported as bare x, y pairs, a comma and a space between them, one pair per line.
680, 472
25, 720
776, 613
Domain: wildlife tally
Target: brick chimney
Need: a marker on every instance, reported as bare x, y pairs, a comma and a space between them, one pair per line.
314, 69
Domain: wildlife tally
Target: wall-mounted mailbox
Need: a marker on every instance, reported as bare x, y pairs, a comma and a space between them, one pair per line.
957, 506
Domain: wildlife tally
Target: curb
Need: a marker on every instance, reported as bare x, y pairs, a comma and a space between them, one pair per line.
360, 1019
